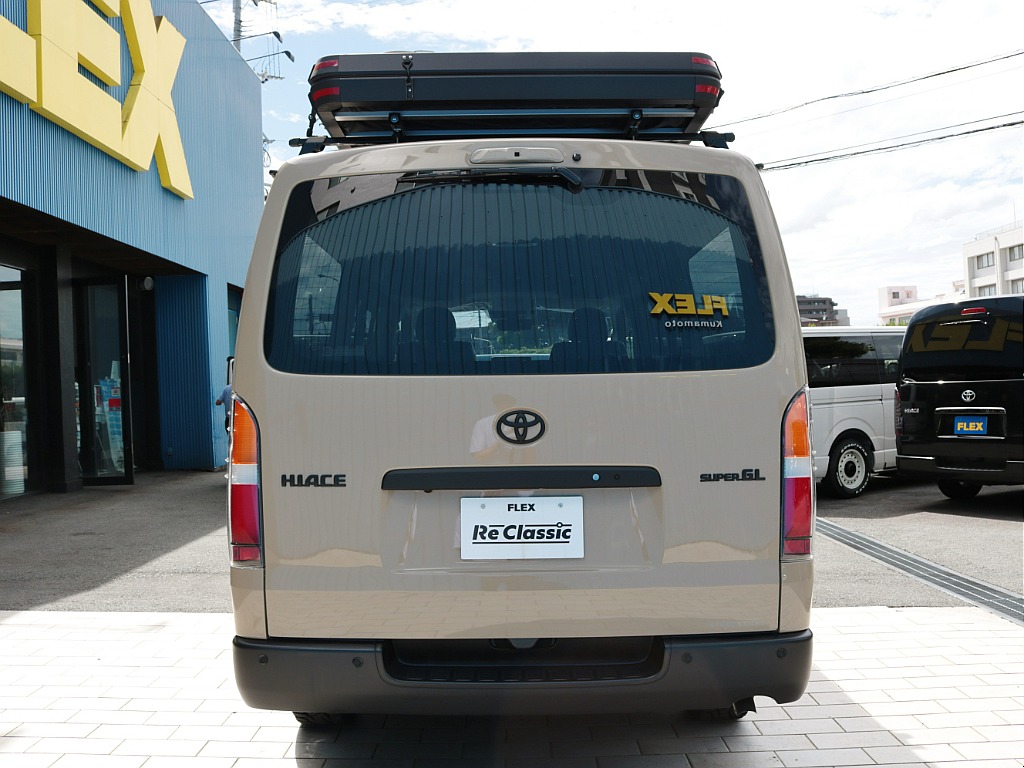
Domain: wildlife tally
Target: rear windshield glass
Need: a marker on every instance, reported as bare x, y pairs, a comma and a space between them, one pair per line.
508, 272
958, 347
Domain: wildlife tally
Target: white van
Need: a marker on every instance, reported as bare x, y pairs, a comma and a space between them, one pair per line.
852, 375
520, 419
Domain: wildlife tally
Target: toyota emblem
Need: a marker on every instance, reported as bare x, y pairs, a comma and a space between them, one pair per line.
520, 427
968, 395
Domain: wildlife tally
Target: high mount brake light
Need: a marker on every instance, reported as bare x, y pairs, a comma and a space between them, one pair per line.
973, 311
702, 60
244, 519
797, 481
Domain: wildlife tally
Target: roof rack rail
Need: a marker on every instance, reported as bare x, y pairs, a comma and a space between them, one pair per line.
366, 99
312, 144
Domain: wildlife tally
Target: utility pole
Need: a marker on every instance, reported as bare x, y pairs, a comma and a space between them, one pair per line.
236, 6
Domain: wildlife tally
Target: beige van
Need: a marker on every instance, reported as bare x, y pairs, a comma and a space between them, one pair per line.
520, 421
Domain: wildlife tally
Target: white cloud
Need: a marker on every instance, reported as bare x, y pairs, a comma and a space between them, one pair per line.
288, 117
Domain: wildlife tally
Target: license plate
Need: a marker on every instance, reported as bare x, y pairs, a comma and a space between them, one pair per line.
970, 425
522, 527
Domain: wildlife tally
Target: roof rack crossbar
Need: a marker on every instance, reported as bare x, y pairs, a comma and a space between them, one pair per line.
454, 114
360, 128
310, 144
397, 133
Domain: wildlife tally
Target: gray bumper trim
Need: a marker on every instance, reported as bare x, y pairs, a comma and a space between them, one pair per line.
349, 677
926, 467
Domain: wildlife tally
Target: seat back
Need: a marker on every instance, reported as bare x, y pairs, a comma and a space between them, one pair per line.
588, 349
434, 349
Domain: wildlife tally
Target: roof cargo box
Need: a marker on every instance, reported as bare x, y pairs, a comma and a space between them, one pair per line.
388, 97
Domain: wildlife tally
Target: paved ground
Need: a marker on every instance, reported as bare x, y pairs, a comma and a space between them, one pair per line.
898, 687
118, 548
86, 679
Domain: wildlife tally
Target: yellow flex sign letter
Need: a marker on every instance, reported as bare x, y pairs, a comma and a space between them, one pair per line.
41, 68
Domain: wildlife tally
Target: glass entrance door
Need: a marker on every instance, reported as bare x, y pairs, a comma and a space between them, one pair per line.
13, 413
101, 370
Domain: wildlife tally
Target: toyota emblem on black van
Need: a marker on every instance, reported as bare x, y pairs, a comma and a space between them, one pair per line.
968, 395
520, 427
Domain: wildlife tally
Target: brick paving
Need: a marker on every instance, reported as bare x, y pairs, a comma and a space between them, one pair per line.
940, 687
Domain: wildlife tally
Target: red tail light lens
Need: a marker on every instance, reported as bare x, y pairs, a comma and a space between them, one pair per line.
244, 521
797, 481
324, 92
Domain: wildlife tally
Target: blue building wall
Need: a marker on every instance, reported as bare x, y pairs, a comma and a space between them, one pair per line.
184, 362
217, 101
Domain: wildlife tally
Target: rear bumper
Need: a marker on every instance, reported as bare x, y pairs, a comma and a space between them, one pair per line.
350, 677
929, 467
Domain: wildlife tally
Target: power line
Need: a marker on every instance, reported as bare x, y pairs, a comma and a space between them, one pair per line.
899, 138
873, 89
796, 163
875, 104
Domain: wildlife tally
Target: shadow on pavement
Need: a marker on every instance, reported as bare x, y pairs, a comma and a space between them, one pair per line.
157, 545
889, 496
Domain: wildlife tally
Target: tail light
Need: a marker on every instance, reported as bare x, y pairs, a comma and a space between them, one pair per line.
325, 64
797, 481
324, 92
898, 413
244, 519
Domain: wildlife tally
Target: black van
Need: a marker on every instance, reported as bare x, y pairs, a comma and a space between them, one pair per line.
960, 397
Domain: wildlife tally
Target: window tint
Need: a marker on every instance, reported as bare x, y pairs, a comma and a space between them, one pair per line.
457, 274
949, 345
887, 349
841, 360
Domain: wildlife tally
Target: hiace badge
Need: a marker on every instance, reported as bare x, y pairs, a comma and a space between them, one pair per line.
522, 527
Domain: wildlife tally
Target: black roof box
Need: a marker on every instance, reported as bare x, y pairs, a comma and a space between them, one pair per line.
388, 97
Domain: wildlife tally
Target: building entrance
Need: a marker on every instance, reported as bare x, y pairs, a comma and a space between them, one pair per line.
13, 412
102, 383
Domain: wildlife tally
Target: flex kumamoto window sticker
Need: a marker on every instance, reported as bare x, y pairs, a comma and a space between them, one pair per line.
698, 311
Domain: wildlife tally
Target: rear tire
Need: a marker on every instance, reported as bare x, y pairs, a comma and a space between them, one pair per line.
848, 470
959, 490
320, 719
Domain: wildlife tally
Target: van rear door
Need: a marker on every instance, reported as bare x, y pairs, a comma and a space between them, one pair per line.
522, 402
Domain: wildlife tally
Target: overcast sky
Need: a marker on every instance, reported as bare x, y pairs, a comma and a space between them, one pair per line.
849, 226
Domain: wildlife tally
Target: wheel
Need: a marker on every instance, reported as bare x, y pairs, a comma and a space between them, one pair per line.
958, 490
319, 719
848, 470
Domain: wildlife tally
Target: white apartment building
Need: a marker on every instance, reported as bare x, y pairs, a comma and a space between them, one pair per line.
994, 262
897, 303
993, 265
